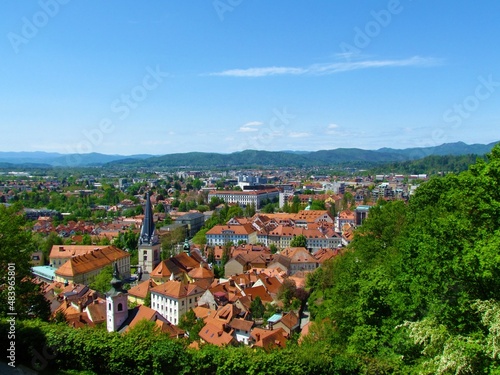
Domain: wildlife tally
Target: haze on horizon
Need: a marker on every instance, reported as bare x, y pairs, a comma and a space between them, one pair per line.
223, 76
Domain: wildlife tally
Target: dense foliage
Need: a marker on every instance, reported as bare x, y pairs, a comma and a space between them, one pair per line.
432, 164
143, 350
418, 290
18, 295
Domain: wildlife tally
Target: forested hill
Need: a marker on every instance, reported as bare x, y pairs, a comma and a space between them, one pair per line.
247, 158
431, 165
253, 158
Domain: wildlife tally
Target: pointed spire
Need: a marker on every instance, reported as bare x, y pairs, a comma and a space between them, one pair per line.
148, 234
116, 282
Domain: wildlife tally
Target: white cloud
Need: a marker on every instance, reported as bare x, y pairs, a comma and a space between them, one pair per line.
299, 135
246, 129
250, 126
260, 72
332, 129
254, 123
329, 68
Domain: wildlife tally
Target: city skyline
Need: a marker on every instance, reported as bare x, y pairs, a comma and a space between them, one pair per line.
226, 75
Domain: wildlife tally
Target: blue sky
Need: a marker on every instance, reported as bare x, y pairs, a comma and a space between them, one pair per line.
159, 77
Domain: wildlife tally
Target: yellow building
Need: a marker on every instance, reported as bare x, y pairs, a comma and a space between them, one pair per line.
82, 269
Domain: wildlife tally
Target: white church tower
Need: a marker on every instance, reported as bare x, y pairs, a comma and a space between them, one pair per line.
149, 243
116, 303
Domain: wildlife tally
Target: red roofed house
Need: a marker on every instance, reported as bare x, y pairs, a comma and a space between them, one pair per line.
216, 336
222, 234
138, 293
82, 269
267, 339
59, 254
174, 298
300, 259
241, 329
290, 323
142, 312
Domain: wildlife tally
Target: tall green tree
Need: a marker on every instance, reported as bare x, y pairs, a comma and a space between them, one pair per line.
102, 282
299, 241
226, 253
191, 324
19, 295
200, 237
257, 308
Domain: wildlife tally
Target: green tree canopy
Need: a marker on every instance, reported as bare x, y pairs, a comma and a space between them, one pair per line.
257, 308
19, 294
418, 287
299, 241
102, 282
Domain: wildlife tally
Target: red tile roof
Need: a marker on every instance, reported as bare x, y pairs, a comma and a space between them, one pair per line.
91, 261
141, 290
215, 336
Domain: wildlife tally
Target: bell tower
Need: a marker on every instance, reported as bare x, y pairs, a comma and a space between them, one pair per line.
149, 244
116, 303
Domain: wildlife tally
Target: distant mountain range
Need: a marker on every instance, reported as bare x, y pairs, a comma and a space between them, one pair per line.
247, 158
54, 159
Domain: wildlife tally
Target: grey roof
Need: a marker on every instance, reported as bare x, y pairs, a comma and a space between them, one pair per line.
281, 259
148, 234
190, 216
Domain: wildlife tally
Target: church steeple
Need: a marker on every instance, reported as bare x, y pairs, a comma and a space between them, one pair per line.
149, 243
116, 303
116, 283
148, 234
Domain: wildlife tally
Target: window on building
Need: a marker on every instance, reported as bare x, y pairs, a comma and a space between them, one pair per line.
120, 307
